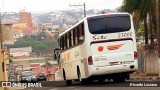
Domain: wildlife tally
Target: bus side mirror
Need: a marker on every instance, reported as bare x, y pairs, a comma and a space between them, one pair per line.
56, 54
55, 57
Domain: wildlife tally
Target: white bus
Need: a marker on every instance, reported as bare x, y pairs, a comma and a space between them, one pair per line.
98, 47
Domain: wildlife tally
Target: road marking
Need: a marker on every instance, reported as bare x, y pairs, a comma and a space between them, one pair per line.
71, 87
54, 89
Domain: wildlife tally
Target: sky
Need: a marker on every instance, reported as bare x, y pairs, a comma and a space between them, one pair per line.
51, 5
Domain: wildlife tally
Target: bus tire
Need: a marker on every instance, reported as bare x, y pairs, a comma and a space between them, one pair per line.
101, 80
116, 80
84, 82
87, 81
68, 82
122, 79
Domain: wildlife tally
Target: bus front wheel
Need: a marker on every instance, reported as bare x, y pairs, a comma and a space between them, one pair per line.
68, 82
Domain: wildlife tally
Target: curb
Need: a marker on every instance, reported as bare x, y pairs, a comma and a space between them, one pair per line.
145, 78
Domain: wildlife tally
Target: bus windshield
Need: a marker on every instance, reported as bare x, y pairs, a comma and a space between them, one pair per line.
109, 24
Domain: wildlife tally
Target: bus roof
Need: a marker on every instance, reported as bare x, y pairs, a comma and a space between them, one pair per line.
89, 17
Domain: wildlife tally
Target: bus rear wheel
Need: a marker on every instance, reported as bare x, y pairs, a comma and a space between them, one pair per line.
68, 82
101, 80
119, 78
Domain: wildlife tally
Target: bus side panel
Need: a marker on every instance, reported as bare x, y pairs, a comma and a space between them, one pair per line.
88, 50
81, 55
80, 61
134, 36
83, 52
63, 65
77, 59
73, 58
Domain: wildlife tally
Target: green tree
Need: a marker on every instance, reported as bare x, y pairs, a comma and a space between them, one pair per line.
34, 37
27, 38
43, 46
141, 9
41, 36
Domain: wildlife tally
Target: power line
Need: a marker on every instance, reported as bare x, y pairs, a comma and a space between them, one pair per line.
101, 4
71, 15
84, 5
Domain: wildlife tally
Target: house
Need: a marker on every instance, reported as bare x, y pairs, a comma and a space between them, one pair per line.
24, 51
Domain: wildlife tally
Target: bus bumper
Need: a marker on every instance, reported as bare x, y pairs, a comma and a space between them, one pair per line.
113, 69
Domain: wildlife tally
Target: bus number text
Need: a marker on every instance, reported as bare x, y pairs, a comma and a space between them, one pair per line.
128, 34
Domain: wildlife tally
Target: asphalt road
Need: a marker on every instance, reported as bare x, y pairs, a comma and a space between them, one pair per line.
108, 85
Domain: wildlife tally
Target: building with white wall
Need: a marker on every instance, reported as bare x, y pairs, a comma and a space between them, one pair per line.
24, 51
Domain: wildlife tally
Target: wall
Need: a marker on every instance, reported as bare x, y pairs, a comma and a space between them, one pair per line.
1, 71
148, 61
1, 58
6, 63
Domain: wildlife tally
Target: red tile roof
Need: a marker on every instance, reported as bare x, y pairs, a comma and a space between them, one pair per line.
40, 70
34, 65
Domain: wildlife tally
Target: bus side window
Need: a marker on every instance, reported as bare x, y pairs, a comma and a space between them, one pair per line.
59, 45
82, 26
62, 43
66, 41
81, 33
58, 42
78, 33
72, 41
76, 36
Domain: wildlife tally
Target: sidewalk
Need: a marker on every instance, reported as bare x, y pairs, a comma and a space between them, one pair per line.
140, 76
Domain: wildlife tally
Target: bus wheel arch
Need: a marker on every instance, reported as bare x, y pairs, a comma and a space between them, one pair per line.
68, 82
79, 74
64, 75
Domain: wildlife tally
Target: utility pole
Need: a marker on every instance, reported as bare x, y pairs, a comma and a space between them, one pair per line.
84, 6
157, 26
85, 10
